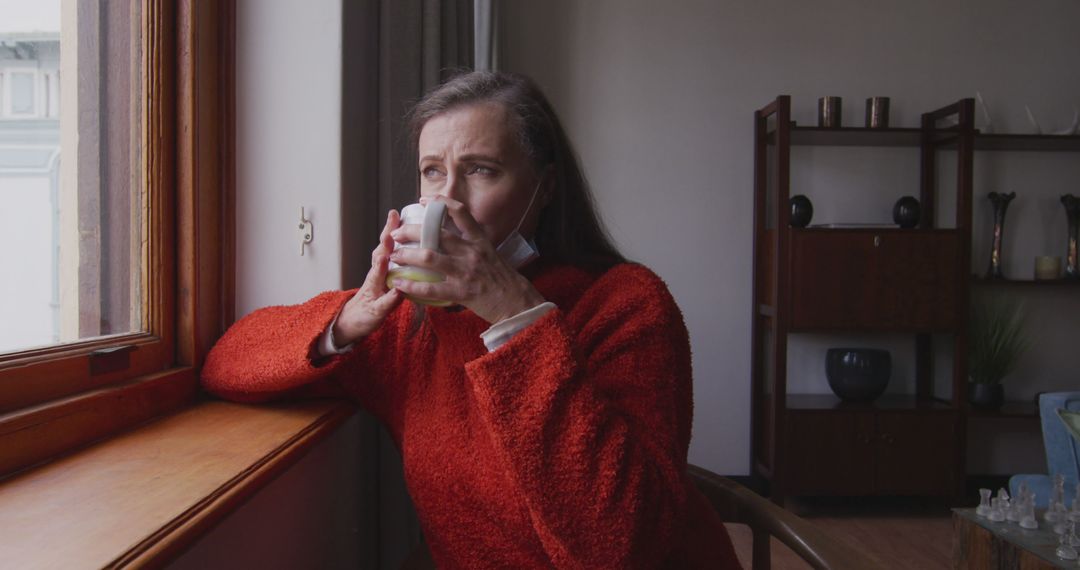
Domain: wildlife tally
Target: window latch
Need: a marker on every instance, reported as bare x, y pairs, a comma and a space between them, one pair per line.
111, 359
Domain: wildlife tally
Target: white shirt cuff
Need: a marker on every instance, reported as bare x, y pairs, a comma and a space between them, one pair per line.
327, 346
501, 332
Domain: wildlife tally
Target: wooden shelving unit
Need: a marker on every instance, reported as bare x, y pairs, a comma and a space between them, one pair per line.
871, 279
1025, 283
1041, 143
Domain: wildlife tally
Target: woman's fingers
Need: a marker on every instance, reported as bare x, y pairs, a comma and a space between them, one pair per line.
368, 308
424, 259
443, 291
375, 282
386, 303
407, 233
449, 241
463, 219
393, 221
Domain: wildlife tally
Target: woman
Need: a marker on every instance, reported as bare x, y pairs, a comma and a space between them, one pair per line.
543, 419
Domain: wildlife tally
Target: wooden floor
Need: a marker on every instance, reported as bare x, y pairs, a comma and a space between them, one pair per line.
901, 533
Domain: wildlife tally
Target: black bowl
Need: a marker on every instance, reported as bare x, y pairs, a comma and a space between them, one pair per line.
858, 374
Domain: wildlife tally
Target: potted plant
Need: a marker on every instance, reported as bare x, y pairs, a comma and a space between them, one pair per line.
996, 340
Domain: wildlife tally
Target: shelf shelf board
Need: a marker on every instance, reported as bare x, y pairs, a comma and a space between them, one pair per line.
1010, 409
886, 402
984, 282
855, 136
912, 137
885, 229
1064, 143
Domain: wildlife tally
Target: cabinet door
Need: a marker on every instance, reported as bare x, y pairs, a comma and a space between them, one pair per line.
829, 453
874, 280
916, 280
915, 453
829, 287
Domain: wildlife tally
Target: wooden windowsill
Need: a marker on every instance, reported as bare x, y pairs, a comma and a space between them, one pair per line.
141, 498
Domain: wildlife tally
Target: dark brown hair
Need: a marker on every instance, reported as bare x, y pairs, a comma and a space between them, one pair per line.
569, 230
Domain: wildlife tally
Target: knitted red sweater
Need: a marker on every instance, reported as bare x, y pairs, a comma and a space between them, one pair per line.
565, 447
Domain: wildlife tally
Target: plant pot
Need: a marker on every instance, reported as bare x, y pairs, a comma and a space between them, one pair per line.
985, 396
858, 374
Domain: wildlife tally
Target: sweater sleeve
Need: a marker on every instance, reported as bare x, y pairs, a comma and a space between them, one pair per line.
272, 354
591, 411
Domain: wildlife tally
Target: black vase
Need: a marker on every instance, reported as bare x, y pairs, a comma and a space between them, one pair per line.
906, 212
858, 374
1001, 205
1072, 211
985, 396
802, 211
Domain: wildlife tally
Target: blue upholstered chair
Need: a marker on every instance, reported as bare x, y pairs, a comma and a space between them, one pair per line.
1062, 450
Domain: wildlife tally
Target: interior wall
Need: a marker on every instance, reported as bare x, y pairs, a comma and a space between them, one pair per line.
658, 98
290, 152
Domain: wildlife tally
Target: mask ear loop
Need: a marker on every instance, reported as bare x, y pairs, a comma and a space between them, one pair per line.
536, 191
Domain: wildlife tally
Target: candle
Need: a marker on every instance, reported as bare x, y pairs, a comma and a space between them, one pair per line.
1047, 267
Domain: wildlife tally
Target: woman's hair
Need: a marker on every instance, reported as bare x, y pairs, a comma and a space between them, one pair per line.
569, 229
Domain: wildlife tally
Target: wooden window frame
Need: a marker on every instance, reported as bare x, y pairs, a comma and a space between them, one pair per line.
56, 399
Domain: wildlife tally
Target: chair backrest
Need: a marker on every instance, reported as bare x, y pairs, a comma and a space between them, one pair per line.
737, 504
1062, 449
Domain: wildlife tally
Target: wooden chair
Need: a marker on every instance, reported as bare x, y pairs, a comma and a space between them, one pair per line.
739, 505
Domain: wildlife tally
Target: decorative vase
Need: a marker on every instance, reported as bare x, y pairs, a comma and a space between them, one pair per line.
906, 212
1072, 211
1001, 204
802, 211
985, 396
858, 374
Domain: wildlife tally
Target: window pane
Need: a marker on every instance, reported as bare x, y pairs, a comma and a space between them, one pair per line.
70, 174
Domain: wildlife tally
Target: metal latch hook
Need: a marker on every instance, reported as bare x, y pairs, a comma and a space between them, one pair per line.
306, 230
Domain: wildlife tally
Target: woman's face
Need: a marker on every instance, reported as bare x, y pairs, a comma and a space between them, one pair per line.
470, 154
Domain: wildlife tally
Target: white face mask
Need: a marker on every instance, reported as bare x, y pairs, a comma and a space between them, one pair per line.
515, 250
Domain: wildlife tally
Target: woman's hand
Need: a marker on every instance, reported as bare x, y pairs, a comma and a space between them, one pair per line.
370, 305
476, 277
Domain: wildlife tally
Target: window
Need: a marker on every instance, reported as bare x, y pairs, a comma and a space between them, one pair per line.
85, 232
115, 182
74, 177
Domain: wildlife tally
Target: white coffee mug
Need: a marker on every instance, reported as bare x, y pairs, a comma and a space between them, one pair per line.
431, 220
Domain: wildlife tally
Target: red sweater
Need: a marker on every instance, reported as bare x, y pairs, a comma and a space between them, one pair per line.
565, 447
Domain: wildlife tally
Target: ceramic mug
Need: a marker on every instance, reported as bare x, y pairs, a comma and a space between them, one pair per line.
431, 220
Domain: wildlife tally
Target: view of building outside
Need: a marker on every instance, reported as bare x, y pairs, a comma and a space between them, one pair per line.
29, 173
71, 189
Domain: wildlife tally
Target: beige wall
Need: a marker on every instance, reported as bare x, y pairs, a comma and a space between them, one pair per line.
658, 97
322, 512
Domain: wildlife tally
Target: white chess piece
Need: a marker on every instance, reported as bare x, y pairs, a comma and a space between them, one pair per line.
983, 510
1073, 519
1055, 511
997, 513
1065, 550
1013, 509
1027, 515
